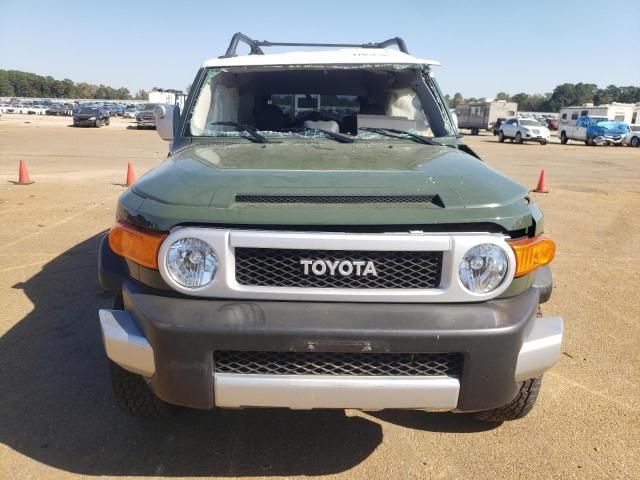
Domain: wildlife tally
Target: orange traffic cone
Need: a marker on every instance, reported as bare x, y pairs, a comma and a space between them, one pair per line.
23, 175
542, 184
131, 176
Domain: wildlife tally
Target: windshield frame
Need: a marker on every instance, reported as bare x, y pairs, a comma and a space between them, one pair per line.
425, 87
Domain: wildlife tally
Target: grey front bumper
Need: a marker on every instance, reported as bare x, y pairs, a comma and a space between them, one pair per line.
127, 346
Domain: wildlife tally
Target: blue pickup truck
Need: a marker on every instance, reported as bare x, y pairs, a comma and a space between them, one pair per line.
594, 131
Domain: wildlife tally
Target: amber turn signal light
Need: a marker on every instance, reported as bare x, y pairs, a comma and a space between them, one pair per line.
532, 253
137, 245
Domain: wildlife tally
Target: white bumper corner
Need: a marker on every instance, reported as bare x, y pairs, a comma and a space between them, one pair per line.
541, 349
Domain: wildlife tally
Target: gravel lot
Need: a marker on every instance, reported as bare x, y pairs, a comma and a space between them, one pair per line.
58, 419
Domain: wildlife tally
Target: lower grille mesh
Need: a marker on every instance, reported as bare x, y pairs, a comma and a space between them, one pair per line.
326, 363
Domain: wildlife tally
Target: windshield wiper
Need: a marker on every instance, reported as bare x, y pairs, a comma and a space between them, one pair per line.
387, 132
241, 127
336, 136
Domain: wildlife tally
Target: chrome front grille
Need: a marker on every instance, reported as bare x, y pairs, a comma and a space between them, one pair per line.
327, 363
271, 267
261, 264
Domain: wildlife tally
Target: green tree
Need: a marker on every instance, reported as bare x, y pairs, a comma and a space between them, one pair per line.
457, 99
25, 84
6, 87
141, 95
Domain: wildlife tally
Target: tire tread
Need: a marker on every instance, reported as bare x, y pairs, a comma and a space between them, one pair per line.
518, 408
133, 395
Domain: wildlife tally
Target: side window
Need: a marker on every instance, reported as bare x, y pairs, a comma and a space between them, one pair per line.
619, 118
584, 113
574, 116
634, 117
564, 116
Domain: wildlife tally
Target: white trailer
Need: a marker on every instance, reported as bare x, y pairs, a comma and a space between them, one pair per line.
478, 116
170, 97
620, 112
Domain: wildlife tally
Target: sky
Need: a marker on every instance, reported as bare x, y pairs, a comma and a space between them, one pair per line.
484, 48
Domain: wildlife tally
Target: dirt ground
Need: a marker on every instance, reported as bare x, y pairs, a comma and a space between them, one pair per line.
58, 418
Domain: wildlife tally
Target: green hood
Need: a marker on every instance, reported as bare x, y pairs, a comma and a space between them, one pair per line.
200, 183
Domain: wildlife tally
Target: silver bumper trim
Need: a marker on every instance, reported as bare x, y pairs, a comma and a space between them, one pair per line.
304, 392
125, 344
541, 349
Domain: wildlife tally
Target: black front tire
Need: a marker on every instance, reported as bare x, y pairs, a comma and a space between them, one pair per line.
518, 408
518, 138
563, 138
501, 136
635, 142
131, 391
134, 396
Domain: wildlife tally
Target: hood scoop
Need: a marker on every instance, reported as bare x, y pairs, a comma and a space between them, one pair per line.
341, 199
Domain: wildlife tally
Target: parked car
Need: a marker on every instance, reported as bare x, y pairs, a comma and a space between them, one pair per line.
17, 108
145, 117
522, 130
607, 133
56, 109
577, 130
496, 126
283, 257
632, 138
91, 116
130, 111
36, 110
116, 110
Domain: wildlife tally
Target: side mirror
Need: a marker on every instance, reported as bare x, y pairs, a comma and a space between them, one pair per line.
167, 117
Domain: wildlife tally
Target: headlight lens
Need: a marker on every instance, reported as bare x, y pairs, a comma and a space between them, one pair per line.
483, 268
191, 262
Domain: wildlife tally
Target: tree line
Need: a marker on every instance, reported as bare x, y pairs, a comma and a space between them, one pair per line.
14, 83
565, 95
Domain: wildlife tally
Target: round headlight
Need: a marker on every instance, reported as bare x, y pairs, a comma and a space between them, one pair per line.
191, 262
483, 268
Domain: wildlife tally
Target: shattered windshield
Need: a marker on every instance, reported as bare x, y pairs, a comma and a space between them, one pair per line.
312, 102
597, 120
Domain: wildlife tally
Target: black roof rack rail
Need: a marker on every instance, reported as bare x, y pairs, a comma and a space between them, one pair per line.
256, 44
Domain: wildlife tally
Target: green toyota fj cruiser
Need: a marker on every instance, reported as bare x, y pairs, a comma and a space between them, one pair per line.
320, 237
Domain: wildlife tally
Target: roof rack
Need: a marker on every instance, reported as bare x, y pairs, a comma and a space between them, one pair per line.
256, 44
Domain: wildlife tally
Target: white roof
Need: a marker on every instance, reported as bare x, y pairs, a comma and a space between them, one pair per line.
347, 56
